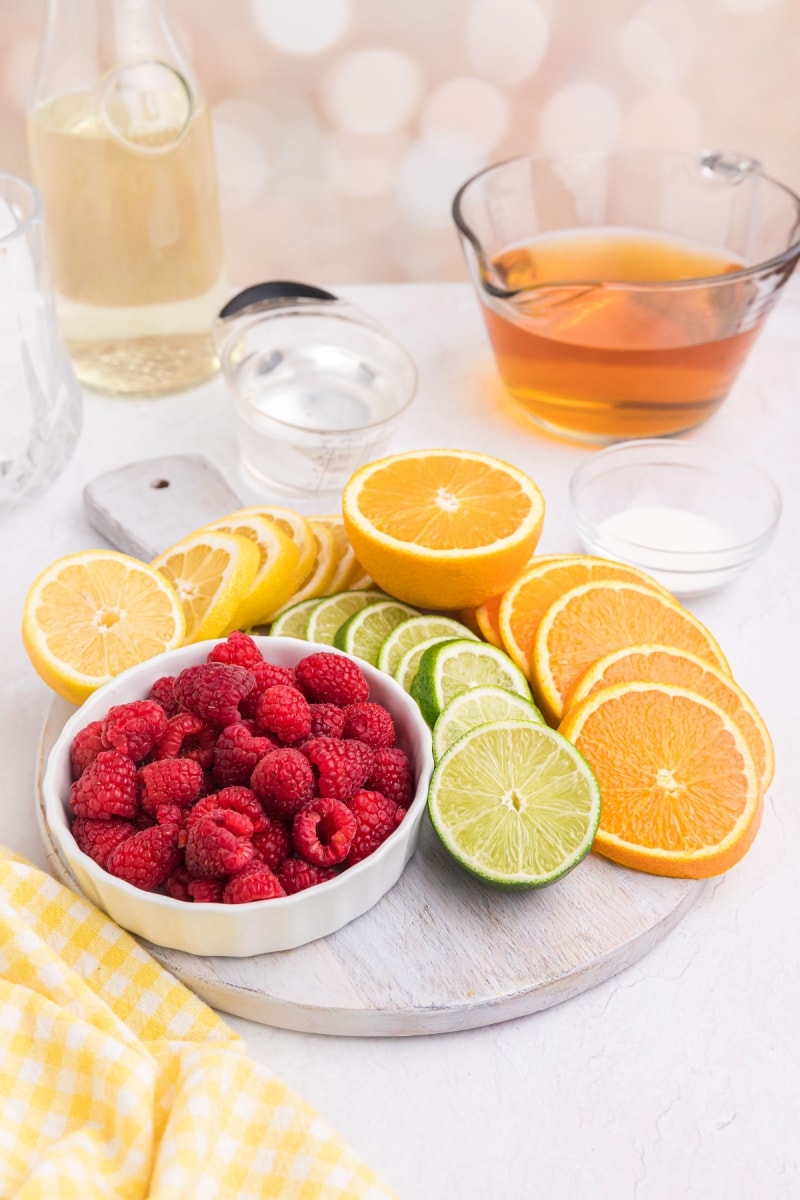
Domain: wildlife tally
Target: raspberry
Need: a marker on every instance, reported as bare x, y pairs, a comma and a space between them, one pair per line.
106, 789
177, 884
188, 736
274, 843
323, 832
295, 875
206, 891
163, 692
236, 753
169, 814
214, 690
327, 720
147, 858
284, 711
168, 781
86, 745
342, 766
98, 838
218, 844
327, 678
391, 774
239, 649
135, 728
376, 817
369, 723
266, 675
256, 883
283, 782
239, 799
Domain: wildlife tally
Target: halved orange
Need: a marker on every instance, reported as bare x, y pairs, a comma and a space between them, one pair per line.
527, 600
442, 529
594, 619
679, 789
666, 664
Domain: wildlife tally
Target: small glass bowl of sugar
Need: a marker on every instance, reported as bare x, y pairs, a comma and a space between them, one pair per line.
692, 517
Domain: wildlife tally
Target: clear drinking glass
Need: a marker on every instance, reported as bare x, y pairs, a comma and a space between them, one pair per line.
318, 386
121, 147
40, 400
622, 291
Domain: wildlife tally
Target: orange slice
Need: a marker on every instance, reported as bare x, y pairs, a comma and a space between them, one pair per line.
442, 529
91, 615
524, 604
665, 664
595, 619
680, 791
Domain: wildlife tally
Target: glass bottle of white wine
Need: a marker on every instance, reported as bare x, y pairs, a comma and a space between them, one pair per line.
121, 147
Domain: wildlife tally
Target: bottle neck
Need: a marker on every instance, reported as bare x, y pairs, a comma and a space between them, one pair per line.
85, 40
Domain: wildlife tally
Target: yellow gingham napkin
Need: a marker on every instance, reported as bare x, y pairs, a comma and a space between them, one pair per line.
117, 1082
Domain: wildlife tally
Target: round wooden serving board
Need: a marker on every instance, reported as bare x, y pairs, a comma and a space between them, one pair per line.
440, 952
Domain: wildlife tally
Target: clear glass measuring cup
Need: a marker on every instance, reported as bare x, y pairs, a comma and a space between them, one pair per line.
40, 401
318, 386
623, 290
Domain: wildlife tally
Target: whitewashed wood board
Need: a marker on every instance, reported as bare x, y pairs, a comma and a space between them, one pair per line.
440, 952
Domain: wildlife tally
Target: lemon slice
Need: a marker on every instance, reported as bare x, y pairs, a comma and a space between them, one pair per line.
515, 803
212, 572
91, 615
296, 527
276, 577
346, 562
317, 582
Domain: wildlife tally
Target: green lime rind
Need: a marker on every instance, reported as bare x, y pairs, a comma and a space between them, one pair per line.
363, 634
515, 804
415, 630
406, 670
479, 706
329, 613
292, 621
456, 666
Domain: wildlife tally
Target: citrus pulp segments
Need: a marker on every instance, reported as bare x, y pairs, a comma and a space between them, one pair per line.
515, 803
364, 633
293, 620
406, 670
479, 706
276, 577
457, 665
592, 620
212, 572
442, 529
330, 612
415, 630
523, 605
666, 664
89, 616
681, 792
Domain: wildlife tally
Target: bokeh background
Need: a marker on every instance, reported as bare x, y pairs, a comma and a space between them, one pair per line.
343, 127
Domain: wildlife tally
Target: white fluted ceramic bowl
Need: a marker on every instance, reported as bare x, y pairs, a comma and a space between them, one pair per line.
263, 926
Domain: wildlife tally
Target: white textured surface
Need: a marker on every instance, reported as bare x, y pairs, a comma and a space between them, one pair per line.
679, 1077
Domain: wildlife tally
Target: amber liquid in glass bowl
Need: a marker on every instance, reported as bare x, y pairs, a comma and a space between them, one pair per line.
608, 362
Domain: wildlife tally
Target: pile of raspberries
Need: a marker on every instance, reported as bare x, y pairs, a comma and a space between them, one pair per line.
240, 780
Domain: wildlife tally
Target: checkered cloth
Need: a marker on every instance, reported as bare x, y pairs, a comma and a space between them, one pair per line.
117, 1082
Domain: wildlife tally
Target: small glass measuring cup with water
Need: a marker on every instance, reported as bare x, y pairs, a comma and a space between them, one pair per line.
318, 386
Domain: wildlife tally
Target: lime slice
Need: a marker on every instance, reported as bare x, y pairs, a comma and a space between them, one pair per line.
364, 633
406, 670
479, 706
515, 803
458, 665
331, 612
291, 622
412, 632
